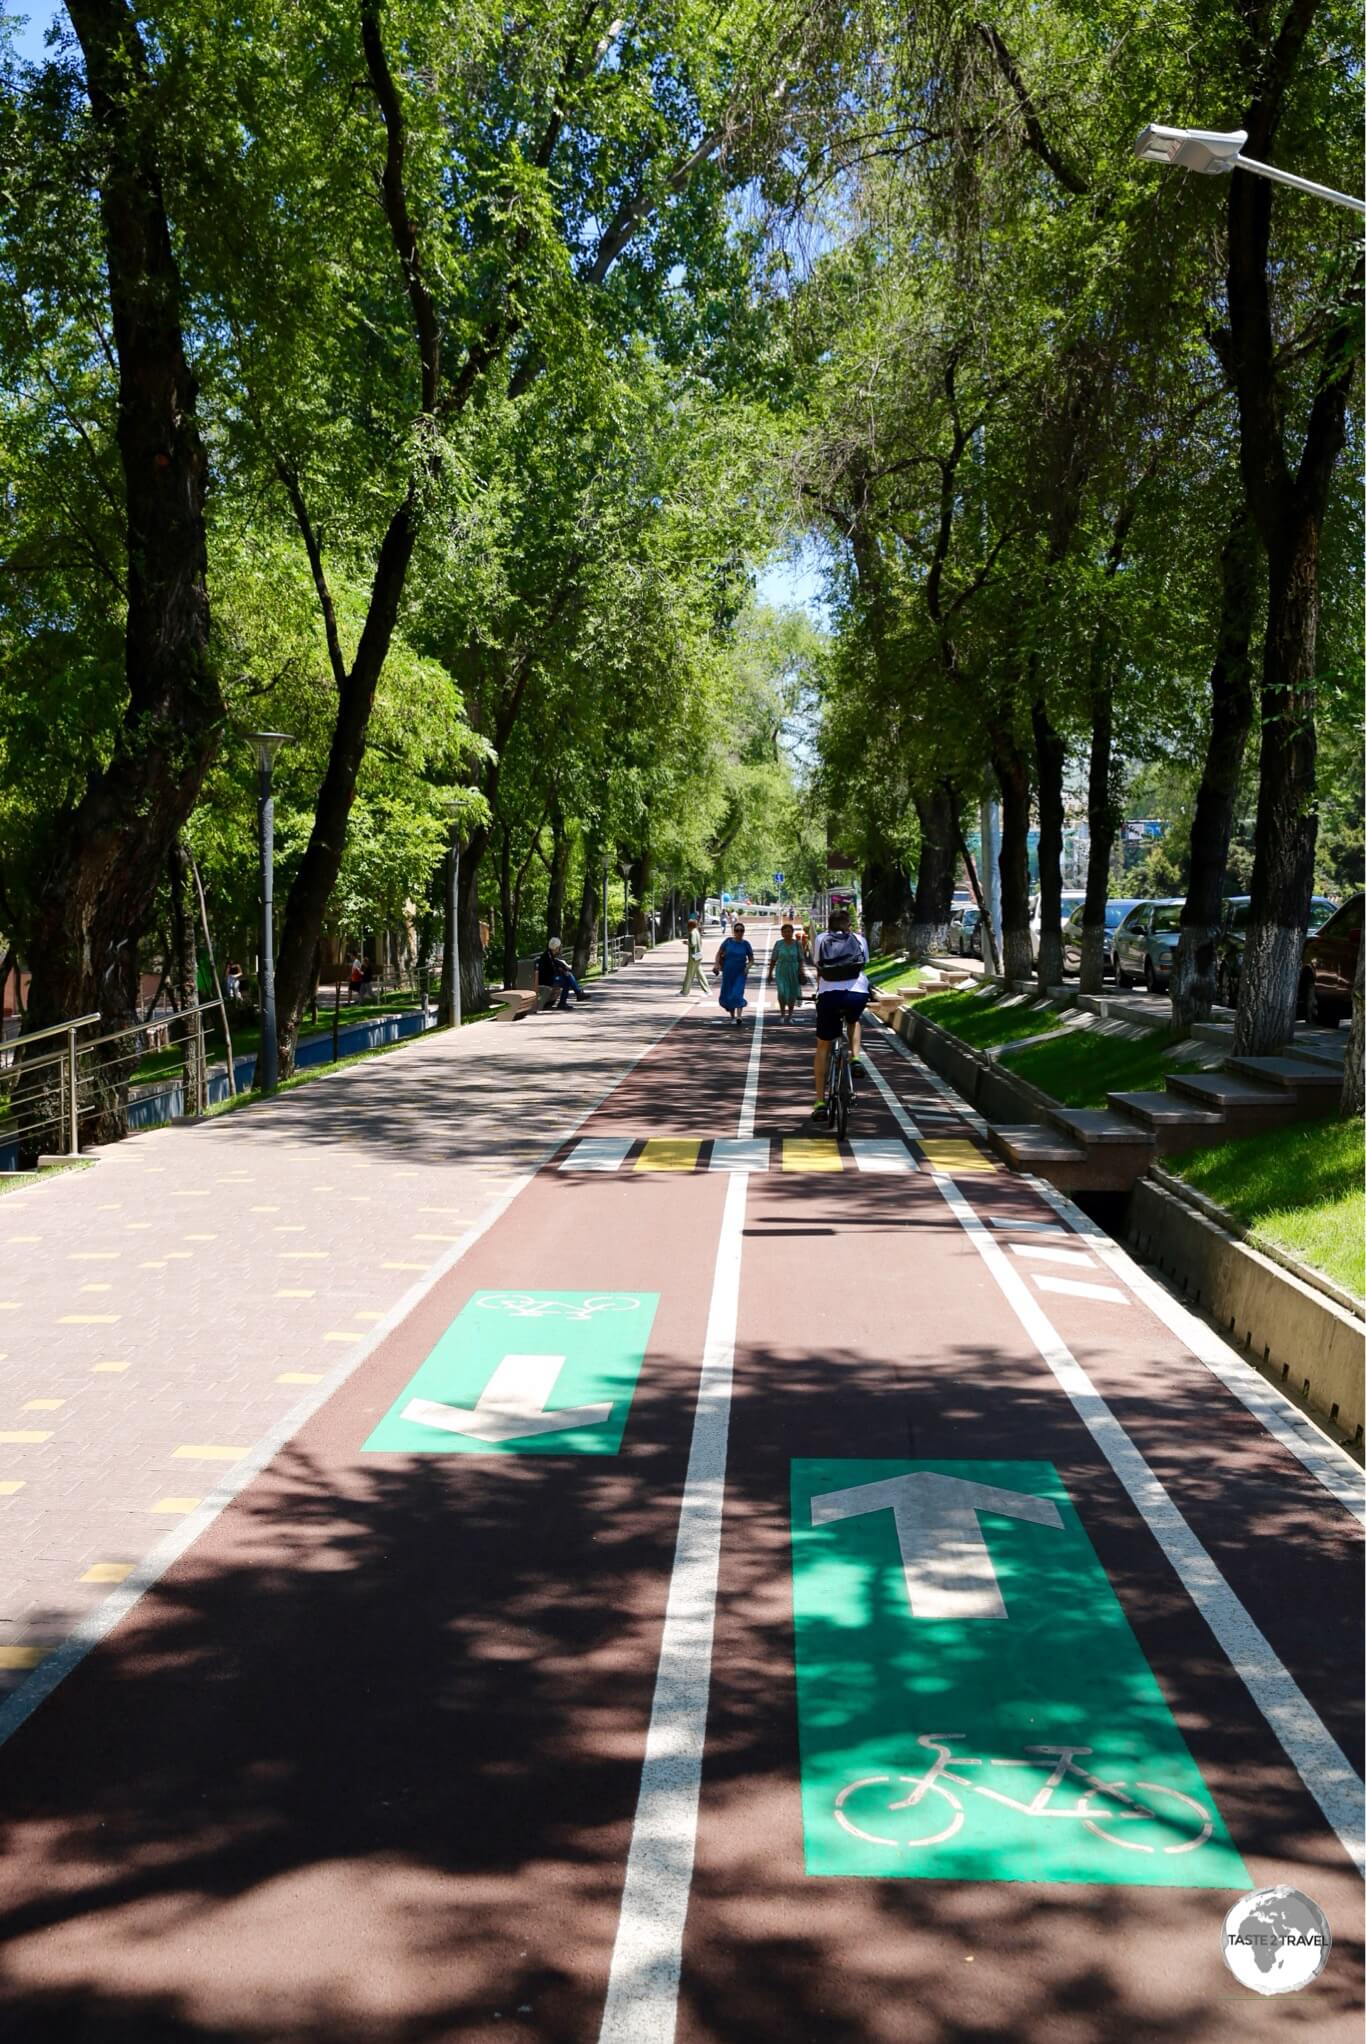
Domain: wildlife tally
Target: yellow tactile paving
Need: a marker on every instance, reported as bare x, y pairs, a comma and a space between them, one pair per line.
948, 1155
202, 1452
668, 1153
10, 1484
300, 1377
24, 1437
811, 1153
107, 1572
177, 1505
22, 1657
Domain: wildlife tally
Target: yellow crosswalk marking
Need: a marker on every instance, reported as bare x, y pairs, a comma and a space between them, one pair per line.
811, 1153
668, 1153
108, 1572
177, 1505
10, 1485
22, 1657
948, 1155
23, 1437
193, 1453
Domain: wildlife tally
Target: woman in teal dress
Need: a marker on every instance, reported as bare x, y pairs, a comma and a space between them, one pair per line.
785, 971
733, 961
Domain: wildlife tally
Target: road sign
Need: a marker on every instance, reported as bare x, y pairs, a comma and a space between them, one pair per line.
971, 1701
525, 1373
777, 880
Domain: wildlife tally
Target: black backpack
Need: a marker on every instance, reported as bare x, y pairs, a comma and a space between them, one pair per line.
839, 956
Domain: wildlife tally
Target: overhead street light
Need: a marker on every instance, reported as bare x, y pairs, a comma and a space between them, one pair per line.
267, 744
1212, 154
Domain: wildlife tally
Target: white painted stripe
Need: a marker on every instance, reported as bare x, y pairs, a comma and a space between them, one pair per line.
898, 1112
730, 1154
1075, 1289
937, 1085
1310, 1747
54, 1668
1329, 1464
1048, 1228
647, 1957
746, 1125
875, 1153
1043, 1252
598, 1153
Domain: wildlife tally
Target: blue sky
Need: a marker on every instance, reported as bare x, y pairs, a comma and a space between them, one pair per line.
28, 40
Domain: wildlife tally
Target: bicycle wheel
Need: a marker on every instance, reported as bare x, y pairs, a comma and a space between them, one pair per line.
877, 1810
840, 1100
1143, 1828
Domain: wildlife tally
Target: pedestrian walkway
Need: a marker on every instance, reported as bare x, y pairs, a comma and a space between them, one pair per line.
714, 1603
171, 1313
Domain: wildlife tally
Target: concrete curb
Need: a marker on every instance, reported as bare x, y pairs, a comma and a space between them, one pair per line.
1241, 1232
1318, 1345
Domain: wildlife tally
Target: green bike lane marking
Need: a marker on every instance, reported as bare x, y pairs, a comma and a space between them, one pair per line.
972, 1703
525, 1373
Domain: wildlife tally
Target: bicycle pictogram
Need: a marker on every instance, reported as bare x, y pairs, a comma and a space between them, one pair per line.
536, 1306
1176, 1811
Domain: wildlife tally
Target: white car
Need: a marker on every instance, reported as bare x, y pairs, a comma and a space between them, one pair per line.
1069, 902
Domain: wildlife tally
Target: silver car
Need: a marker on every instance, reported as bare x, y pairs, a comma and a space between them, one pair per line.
1145, 944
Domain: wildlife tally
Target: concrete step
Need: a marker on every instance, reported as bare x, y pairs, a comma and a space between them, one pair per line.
1176, 1124
1247, 1106
1072, 1165
1319, 1047
1027, 1147
1316, 1087
1098, 1126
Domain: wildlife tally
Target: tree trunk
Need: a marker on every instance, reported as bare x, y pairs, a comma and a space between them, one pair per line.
1231, 711
638, 894
1012, 772
586, 930
559, 873
886, 903
185, 974
1287, 821
1102, 816
934, 874
1353, 1082
507, 907
104, 859
1050, 754
473, 989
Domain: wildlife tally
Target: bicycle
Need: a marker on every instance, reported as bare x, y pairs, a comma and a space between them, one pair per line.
839, 1082
1187, 1815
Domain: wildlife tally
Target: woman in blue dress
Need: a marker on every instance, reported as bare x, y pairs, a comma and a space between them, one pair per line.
733, 961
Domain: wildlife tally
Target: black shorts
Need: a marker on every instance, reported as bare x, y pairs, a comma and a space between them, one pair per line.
833, 1008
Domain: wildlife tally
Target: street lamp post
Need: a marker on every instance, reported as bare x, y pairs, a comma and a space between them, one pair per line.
267, 744
606, 868
1213, 154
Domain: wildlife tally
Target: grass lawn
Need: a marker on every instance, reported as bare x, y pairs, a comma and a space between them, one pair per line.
1078, 1068
886, 967
1299, 1187
983, 1020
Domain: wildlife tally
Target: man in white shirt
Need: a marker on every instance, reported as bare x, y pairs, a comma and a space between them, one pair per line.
842, 992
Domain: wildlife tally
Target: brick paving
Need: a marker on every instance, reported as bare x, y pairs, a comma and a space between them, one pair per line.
163, 1312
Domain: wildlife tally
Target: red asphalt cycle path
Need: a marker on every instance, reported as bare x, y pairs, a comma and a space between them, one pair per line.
364, 1764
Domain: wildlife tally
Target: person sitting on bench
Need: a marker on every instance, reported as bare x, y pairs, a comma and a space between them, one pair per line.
553, 970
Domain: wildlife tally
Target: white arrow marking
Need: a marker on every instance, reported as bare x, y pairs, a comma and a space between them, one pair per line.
511, 1406
948, 1569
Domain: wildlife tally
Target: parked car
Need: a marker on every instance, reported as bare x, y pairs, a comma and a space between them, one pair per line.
1145, 944
1115, 914
1328, 969
1070, 900
970, 933
1233, 940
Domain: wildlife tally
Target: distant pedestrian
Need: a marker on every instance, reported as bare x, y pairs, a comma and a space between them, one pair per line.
234, 981
733, 961
785, 971
356, 987
695, 972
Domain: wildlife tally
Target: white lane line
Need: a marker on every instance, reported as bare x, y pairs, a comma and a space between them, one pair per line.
1310, 1747
746, 1126
647, 1956
730, 1154
894, 1106
1074, 1288
598, 1153
1046, 1228
937, 1085
1043, 1252
54, 1668
877, 1153
1320, 1455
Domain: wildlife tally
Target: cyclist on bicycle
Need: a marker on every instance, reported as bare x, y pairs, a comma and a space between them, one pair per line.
842, 992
